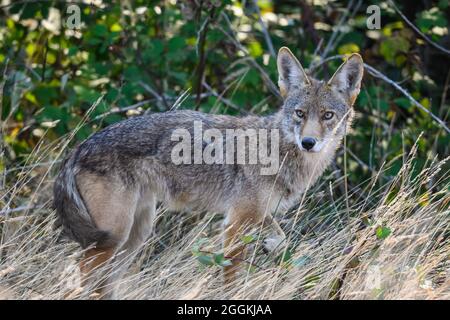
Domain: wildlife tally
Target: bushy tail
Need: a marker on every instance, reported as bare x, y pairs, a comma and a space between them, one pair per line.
71, 210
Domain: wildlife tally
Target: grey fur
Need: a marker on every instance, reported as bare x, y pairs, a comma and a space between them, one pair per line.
71, 211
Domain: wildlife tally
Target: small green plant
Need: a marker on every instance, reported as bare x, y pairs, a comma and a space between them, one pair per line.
248, 238
208, 258
382, 232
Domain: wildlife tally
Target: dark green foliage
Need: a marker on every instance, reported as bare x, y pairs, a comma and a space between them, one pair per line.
156, 50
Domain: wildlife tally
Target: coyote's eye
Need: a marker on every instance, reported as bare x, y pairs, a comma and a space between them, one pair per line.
328, 115
300, 114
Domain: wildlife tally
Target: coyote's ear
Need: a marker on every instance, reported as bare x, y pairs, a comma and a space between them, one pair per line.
347, 78
291, 73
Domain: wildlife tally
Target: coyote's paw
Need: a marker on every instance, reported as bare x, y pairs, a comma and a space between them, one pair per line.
274, 243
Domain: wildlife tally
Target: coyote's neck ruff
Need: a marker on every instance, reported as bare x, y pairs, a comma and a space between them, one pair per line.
108, 188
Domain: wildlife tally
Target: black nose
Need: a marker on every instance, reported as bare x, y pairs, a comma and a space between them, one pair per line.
308, 143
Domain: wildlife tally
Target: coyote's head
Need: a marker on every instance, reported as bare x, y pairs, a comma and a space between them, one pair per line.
316, 113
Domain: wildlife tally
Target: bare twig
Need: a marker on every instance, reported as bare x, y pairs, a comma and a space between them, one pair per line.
21, 208
221, 98
420, 33
160, 97
124, 109
201, 43
2, 127
44, 63
264, 30
308, 19
183, 96
349, 13
269, 83
151, 91
312, 68
142, 103
337, 29
318, 47
445, 90
32, 166
381, 76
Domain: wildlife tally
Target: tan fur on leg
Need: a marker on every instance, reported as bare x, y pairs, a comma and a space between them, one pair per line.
240, 220
94, 259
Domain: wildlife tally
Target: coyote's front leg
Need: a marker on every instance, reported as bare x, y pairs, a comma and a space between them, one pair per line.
276, 239
239, 221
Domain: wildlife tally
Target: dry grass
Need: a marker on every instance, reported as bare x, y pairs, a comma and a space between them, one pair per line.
336, 252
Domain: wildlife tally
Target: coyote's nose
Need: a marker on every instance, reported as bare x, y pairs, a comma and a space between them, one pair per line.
308, 143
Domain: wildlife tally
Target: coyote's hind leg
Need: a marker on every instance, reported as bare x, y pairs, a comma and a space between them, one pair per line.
112, 207
93, 260
140, 231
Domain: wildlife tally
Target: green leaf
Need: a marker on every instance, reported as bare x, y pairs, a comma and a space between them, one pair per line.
255, 49
51, 113
112, 118
383, 105
251, 78
348, 48
219, 259
285, 258
154, 52
205, 260
87, 94
443, 4
115, 28
393, 46
383, 232
175, 48
428, 19
403, 102
301, 261
73, 50
226, 263
133, 73
247, 239
99, 30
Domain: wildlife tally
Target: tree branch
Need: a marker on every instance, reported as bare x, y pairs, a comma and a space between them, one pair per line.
269, 83
264, 30
381, 76
202, 57
420, 33
222, 99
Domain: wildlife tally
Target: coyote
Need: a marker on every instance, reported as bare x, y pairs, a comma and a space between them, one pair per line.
108, 188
